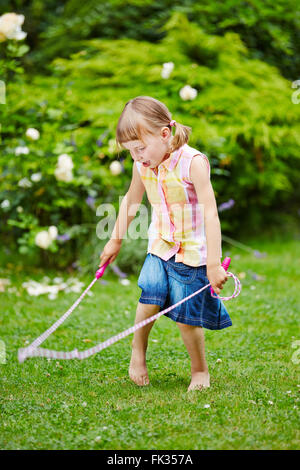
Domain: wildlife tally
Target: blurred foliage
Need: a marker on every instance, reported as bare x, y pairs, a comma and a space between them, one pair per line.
243, 119
270, 30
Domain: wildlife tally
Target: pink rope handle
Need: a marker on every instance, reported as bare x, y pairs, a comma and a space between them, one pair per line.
33, 350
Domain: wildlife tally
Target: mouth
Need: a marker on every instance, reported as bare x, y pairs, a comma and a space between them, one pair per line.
146, 163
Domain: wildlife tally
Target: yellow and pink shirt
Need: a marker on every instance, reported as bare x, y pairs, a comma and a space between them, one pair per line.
177, 224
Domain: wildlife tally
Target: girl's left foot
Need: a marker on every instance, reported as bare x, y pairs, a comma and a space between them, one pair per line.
138, 369
199, 381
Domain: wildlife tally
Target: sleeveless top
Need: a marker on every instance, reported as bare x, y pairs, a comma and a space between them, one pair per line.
177, 224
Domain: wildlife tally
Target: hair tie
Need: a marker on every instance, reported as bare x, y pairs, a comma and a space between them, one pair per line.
172, 123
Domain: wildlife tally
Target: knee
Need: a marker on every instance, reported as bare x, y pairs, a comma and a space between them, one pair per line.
184, 327
148, 309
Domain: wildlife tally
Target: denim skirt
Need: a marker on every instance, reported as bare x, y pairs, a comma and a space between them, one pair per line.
165, 283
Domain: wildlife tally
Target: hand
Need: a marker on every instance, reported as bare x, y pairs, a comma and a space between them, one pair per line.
217, 277
110, 251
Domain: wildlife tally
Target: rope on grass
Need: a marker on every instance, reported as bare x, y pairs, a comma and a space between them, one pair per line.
33, 350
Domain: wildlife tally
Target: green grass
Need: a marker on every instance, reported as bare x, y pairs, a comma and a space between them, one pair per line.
92, 404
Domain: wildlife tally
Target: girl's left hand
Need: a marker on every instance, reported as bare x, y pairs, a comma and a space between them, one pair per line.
217, 277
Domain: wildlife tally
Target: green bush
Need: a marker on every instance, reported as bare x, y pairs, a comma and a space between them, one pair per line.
243, 119
269, 29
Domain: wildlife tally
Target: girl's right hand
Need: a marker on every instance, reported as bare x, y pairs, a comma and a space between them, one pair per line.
110, 251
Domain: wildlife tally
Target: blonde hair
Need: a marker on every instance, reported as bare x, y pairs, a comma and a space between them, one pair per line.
144, 116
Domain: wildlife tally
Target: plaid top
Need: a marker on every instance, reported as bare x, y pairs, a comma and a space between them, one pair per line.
177, 225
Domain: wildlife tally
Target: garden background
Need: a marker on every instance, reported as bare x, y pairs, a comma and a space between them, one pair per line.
230, 70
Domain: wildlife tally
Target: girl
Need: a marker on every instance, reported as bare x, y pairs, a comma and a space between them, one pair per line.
184, 248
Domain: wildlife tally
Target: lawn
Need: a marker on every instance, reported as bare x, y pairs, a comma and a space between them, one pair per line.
92, 404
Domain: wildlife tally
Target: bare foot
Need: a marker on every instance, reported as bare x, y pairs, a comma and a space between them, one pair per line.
200, 380
138, 370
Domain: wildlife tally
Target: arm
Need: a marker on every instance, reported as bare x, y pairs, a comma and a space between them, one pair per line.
127, 212
200, 178
129, 206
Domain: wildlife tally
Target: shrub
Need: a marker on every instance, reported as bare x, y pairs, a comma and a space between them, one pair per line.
242, 118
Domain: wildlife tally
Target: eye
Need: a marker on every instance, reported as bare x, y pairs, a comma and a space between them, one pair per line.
140, 149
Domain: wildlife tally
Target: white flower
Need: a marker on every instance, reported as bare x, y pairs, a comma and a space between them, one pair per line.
165, 73
98, 438
32, 133
52, 296
63, 175
115, 167
24, 183
206, 406
74, 285
53, 232
20, 209
167, 69
21, 150
43, 239
36, 177
84, 403
125, 282
63, 170
188, 93
36, 288
5, 203
219, 360
65, 162
3, 283
10, 26
270, 402
289, 391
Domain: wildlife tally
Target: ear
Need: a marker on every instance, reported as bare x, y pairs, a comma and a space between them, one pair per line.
165, 132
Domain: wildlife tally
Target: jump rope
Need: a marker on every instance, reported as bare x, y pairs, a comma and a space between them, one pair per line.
34, 349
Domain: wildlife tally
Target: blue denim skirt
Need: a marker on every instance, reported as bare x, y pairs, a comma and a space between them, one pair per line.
164, 283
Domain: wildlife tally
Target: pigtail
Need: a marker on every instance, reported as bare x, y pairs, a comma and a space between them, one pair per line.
180, 137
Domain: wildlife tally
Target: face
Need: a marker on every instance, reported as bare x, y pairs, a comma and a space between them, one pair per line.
153, 151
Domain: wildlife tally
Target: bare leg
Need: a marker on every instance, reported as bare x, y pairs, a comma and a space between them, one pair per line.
193, 338
137, 368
